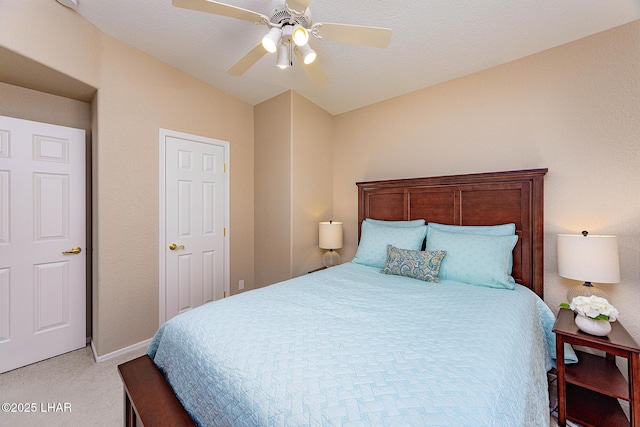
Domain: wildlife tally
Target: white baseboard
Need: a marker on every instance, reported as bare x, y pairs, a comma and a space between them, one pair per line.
117, 353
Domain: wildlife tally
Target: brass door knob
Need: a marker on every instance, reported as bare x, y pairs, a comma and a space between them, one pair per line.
173, 247
73, 251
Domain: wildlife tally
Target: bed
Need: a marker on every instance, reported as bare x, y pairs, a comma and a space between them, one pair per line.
352, 346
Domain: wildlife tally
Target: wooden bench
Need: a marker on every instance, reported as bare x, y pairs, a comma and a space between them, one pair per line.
148, 398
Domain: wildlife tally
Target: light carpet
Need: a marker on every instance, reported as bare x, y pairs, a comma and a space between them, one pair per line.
67, 390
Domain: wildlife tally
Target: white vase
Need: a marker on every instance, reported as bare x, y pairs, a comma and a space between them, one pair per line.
591, 326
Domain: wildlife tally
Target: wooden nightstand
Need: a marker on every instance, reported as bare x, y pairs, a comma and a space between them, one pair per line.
588, 390
317, 269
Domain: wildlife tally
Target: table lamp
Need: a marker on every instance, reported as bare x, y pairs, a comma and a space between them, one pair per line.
330, 238
590, 258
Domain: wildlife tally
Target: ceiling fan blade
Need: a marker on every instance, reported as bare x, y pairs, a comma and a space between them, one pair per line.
356, 34
222, 9
244, 63
298, 5
314, 72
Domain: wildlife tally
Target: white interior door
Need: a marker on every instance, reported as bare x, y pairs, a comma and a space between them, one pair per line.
194, 211
42, 218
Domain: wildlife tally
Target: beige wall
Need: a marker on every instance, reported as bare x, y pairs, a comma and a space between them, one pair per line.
52, 35
136, 96
272, 138
574, 109
312, 182
293, 179
42, 107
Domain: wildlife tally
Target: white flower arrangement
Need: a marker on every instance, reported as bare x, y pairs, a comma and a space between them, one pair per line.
594, 307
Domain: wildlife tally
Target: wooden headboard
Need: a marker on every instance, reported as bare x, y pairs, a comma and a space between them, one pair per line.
474, 199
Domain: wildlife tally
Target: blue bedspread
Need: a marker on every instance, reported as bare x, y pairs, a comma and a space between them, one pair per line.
349, 346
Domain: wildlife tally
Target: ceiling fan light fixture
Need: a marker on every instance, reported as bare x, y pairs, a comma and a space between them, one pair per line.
300, 35
271, 39
283, 60
287, 32
308, 54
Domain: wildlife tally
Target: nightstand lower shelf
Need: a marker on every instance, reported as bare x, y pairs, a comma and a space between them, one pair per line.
603, 375
595, 409
588, 391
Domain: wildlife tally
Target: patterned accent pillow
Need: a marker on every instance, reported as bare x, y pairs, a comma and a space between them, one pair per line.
417, 264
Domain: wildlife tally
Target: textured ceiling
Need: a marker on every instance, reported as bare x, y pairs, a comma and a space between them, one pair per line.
432, 42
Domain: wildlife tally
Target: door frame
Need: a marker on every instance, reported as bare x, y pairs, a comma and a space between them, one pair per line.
162, 253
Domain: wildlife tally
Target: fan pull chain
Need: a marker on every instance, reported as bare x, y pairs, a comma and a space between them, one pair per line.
290, 53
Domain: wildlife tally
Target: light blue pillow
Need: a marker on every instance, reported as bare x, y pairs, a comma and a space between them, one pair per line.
476, 259
490, 230
421, 265
374, 238
411, 223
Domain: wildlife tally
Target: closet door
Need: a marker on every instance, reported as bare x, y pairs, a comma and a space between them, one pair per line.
194, 216
42, 241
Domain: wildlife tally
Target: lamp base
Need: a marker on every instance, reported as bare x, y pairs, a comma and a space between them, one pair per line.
586, 290
331, 258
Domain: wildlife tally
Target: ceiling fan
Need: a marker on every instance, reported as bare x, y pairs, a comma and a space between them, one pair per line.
289, 26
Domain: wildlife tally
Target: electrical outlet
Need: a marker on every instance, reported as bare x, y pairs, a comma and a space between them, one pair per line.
241, 284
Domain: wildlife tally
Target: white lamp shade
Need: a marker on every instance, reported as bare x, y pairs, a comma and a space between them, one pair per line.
300, 35
282, 60
590, 258
271, 39
308, 54
330, 235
